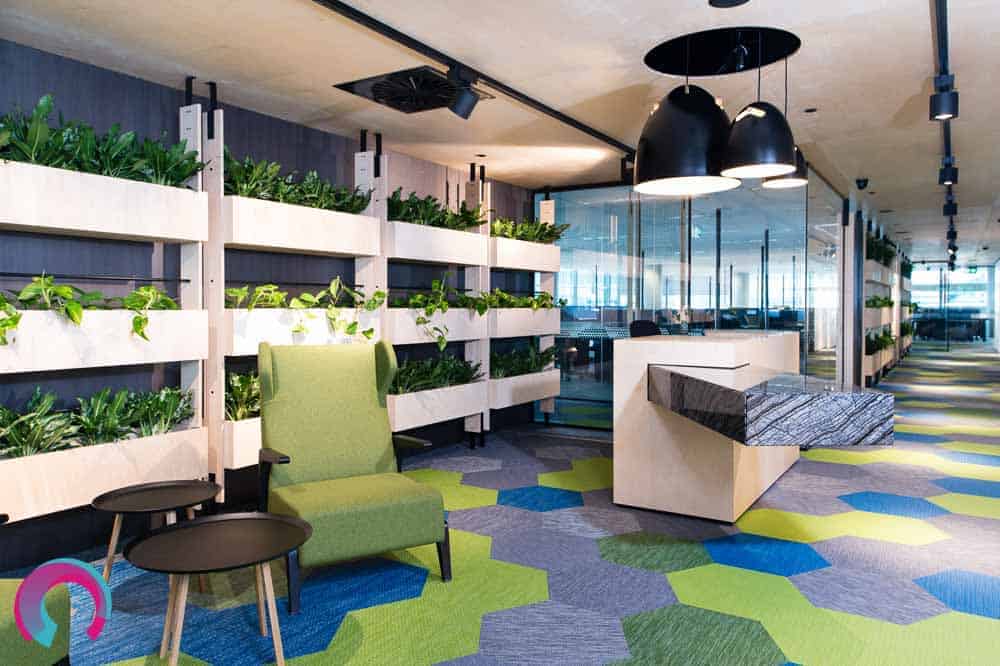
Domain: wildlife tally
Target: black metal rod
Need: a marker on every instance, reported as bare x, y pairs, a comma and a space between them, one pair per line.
94, 278
364, 141
482, 173
941, 18
188, 90
472, 172
378, 154
718, 265
767, 272
213, 104
295, 283
409, 42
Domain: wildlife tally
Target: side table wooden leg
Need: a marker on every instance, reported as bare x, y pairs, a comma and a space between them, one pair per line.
115, 533
261, 612
168, 619
178, 617
272, 611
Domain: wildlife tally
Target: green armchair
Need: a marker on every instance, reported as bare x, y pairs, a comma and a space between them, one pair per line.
329, 458
13, 648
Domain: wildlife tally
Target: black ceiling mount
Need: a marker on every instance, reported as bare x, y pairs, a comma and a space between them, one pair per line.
409, 90
726, 4
722, 51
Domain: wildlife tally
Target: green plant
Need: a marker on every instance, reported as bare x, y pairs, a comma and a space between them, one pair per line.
543, 301
160, 411
141, 301
906, 268
235, 296
76, 147
337, 297
521, 362
436, 372
103, 417
905, 329
879, 302
38, 430
242, 396
430, 212
528, 230
881, 250
9, 319
43, 293
912, 307
263, 180
267, 296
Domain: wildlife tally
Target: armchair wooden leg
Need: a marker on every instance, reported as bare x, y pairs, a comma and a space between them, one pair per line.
444, 556
294, 581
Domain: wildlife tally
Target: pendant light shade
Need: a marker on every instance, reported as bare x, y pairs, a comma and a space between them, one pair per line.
681, 146
797, 178
760, 144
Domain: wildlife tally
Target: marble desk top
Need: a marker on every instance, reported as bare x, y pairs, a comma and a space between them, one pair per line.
761, 407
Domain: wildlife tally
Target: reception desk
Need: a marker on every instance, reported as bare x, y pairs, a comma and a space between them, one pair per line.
703, 425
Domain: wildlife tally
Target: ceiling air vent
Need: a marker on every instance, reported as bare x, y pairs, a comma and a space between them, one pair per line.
409, 90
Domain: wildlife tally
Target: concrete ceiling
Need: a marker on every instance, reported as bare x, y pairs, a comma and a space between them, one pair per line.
865, 64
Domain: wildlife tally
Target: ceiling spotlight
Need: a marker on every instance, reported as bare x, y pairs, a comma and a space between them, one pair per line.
948, 174
952, 234
681, 146
950, 208
465, 97
952, 249
944, 105
798, 178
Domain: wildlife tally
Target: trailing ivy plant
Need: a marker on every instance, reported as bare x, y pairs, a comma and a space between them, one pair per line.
439, 298
436, 372
75, 146
44, 294
430, 212
337, 298
521, 362
39, 429
543, 301
242, 396
141, 301
9, 319
528, 230
263, 180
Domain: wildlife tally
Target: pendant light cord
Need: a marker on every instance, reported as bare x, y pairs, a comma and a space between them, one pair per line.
786, 86
687, 66
760, 59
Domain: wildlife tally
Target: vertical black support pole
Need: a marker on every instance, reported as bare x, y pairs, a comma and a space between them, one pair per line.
760, 284
213, 104
857, 335
364, 141
793, 282
767, 271
690, 276
378, 154
730, 286
188, 90
718, 265
946, 281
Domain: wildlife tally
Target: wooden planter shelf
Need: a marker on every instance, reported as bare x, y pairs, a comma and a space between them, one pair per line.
46, 340
256, 224
245, 330
417, 242
401, 326
877, 273
414, 410
523, 255
57, 201
242, 443
49, 482
523, 322
878, 317
510, 391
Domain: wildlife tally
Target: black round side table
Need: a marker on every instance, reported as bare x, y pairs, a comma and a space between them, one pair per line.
166, 497
218, 543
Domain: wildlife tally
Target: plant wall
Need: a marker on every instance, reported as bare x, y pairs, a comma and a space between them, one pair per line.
520, 362
435, 372
528, 230
431, 212
75, 146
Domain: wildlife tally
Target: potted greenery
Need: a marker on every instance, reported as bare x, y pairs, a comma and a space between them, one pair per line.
514, 316
264, 208
878, 311
334, 315
439, 314
56, 460
241, 430
113, 184
435, 389
527, 245
522, 375
423, 229
48, 325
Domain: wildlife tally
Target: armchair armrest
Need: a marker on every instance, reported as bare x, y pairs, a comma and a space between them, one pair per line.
409, 443
267, 458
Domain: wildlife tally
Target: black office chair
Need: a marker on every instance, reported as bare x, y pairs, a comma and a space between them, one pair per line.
643, 328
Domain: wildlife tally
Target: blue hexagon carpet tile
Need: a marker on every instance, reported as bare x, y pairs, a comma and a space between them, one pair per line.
887, 555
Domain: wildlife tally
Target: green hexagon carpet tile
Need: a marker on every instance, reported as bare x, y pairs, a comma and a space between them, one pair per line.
864, 556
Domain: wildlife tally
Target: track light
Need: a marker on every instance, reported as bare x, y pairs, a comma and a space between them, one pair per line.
944, 105
948, 174
952, 234
465, 97
952, 248
950, 208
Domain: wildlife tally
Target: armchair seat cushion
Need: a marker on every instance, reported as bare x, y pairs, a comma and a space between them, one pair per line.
13, 648
361, 515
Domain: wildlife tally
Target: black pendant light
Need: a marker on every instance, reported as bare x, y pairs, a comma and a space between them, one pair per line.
797, 178
681, 146
760, 141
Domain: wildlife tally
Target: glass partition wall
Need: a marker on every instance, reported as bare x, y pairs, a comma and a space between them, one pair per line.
749, 258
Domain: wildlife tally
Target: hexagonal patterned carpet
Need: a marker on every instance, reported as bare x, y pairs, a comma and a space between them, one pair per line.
884, 555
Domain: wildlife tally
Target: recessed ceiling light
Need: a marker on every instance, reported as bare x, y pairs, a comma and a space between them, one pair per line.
480, 154
811, 109
886, 211
873, 192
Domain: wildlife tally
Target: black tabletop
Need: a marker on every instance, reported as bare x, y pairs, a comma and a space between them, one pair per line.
218, 543
154, 497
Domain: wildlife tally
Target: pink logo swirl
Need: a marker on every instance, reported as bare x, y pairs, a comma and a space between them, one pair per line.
33, 619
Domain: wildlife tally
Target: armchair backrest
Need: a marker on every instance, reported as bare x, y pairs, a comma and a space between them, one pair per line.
324, 406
